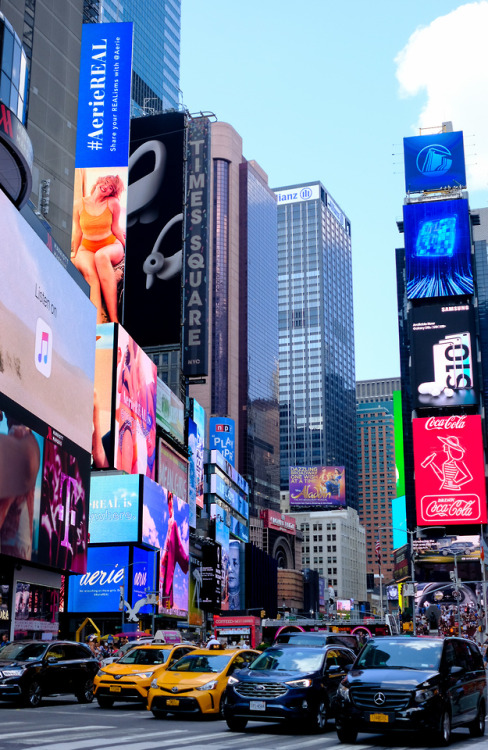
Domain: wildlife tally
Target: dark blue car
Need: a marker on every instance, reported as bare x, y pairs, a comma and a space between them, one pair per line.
287, 683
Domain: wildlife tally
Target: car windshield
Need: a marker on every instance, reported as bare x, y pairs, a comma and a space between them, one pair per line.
145, 656
201, 663
301, 640
407, 654
290, 660
23, 651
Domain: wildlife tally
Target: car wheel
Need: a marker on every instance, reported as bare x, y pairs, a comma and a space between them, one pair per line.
477, 727
158, 714
105, 702
348, 735
86, 693
33, 695
320, 717
443, 737
236, 724
222, 706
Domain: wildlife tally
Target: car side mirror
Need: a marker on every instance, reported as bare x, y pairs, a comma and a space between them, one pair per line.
455, 669
334, 669
51, 660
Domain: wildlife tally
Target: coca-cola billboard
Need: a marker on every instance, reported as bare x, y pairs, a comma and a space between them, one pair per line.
449, 470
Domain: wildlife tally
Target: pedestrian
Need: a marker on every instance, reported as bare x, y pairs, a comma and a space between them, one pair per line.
5, 641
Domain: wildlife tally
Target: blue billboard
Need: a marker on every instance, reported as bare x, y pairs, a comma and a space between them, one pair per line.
143, 576
433, 162
98, 590
114, 509
222, 432
438, 249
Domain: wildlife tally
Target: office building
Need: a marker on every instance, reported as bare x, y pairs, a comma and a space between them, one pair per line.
316, 335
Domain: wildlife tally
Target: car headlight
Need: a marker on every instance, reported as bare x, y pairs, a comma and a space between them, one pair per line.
154, 683
232, 680
299, 683
343, 691
11, 672
425, 694
208, 685
144, 675
100, 672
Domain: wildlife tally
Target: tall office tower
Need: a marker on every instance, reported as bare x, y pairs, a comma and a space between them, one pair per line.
156, 57
243, 335
316, 334
377, 469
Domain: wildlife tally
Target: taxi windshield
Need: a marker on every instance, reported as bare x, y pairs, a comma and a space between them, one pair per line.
407, 654
145, 656
201, 663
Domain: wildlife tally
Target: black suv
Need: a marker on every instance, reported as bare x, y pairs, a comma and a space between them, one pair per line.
31, 669
400, 684
286, 683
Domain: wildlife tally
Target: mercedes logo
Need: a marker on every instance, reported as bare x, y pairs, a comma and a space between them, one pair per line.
380, 699
174, 689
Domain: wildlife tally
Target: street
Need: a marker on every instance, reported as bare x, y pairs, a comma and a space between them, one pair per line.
62, 724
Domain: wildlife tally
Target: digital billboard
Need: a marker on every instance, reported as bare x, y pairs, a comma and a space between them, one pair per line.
438, 249
211, 591
195, 612
172, 471
102, 441
199, 419
165, 527
317, 487
447, 548
170, 412
444, 360
143, 573
98, 590
101, 164
114, 508
222, 538
434, 162
48, 333
398, 505
222, 434
154, 259
449, 470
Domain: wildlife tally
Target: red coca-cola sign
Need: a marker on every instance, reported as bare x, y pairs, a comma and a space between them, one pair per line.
449, 470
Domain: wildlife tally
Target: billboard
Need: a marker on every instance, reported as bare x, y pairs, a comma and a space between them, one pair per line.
434, 162
48, 333
98, 590
154, 259
114, 508
101, 164
447, 548
438, 249
165, 527
220, 487
195, 613
449, 470
195, 311
170, 412
143, 573
172, 471
211, 591
398, 505
442, 338
317, 487
222, 434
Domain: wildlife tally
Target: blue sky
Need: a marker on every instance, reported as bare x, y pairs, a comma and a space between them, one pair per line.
327, 90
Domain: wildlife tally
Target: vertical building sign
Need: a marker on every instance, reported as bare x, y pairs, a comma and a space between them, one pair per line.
195, 315
102, 158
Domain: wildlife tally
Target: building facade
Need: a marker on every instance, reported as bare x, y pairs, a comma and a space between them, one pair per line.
316, 334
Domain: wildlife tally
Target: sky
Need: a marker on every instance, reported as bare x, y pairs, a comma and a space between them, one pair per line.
323, 90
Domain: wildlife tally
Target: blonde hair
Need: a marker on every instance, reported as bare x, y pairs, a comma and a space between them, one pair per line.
116, 184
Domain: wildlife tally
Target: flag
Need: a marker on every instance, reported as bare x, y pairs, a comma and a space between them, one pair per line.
378, 549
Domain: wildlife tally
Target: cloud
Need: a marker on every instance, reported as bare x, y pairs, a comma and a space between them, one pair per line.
447, 61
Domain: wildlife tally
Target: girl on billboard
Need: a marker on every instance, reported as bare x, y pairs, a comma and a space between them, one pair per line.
99, 242
173, 552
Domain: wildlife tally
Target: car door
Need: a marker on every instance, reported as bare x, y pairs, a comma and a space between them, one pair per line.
78, 667
453, 675
55, 676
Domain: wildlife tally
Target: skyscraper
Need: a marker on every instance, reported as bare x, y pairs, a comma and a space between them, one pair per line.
316, 335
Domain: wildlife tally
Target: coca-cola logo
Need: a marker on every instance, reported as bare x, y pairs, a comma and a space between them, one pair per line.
445, 508
446, 423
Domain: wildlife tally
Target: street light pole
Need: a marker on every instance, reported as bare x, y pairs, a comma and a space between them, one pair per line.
412, 563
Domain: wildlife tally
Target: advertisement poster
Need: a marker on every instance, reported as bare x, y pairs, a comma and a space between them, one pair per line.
211, 591
223, 437
447, 548
154, 260
434, 162
192, 472
222, 537
172, 471
98, 590
444, 360
199, 419
234, 574
101, 164
36, 610
170, 412
449, 470
102, 441
143, 575
114, 509
165, 527
438, 249
195, 613
317, 487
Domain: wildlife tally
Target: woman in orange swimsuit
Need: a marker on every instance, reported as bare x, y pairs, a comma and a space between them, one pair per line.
99, 243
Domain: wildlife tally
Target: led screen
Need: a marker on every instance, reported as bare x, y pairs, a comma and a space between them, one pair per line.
447, 548
114, 509
438, 249
449, 470
317, 487
172, 471
170, 412
165, 527
433, 162
143, 574
102, 443
199, 419
98, 590
195, 613
443, 357
47, 329
222, 437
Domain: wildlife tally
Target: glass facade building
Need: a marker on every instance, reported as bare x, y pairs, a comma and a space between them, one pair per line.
13, 74
316, 334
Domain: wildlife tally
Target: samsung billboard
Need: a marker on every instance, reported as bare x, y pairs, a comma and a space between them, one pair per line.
434, 162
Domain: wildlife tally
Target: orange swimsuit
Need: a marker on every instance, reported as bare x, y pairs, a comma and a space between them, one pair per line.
96, 224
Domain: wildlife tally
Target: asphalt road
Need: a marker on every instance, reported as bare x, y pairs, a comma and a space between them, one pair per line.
63, 724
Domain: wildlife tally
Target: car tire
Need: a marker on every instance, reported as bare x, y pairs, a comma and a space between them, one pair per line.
443, 735
347, 735
33, 694
222, 706
236, 724
105, 702
85, 695
320, 717
477, 727
158, 714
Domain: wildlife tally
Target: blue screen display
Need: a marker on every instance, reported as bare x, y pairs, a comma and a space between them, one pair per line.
438, 249
433, 162
114, 509
143, 572
98, 590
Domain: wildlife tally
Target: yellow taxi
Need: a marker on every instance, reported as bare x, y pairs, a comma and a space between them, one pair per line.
129, 678
196, 683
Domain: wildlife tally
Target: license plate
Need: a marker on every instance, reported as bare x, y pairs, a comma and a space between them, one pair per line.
383, 718
172, 702
257, 705
115, 688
